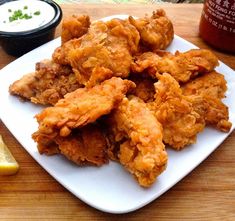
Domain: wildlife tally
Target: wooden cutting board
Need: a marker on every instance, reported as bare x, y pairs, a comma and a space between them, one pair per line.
208, 193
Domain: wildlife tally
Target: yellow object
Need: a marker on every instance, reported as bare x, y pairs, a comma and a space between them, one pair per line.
8, 164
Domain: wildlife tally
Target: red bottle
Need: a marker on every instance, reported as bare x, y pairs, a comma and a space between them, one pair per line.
217, 25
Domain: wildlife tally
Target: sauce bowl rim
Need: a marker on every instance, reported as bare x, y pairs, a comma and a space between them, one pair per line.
40, 30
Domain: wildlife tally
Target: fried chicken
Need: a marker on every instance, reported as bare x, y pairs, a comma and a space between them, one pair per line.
74, 27
216, 113
49, 83
176, 112
139, 135
108, 45
144, 88
165, 99
210, 84
211, 87
156, 32
60, 54
183, 116
86, 146
182, 66
111, 45
89, 54
83, 146
81, 107
62, 128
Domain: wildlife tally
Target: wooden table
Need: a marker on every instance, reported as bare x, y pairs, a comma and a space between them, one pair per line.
207, 193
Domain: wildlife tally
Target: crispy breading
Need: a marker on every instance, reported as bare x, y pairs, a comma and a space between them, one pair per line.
107, 45
118, 95
111, 45
74, 27
60, 54
181, 123
184, 116
89, 54
210, 84
139, 134
156, 32
49, 83
81, 107
217, 114
211, 87
182, 66
144, 88
83, 146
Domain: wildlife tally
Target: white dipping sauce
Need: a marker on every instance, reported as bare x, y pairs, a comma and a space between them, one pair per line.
47, 13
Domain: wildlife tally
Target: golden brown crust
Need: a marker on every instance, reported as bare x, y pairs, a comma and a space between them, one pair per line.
49, 83
139, 134
211, 84
182, 66
144, 88
82, 146
176, 95
81, 107
74, 27
181, 123
156, 32
108, 45
211, 87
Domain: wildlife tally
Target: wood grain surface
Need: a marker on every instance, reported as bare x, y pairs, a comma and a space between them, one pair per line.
207, 193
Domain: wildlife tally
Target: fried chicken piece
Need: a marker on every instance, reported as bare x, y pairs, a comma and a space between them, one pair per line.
182, 66
81, 107
45, 144
211, 87
74, 27
216, 113
156, 32
176, 112
211, 84
144, 88
99, 74
88, 146
139, 134
60, 54
108, 45
49, 83
83, 146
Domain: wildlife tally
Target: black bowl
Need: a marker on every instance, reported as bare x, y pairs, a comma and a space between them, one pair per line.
19, 43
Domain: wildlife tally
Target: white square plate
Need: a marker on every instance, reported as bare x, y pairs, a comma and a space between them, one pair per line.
109, 188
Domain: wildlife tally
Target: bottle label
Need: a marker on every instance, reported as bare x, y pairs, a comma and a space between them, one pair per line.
221, 14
